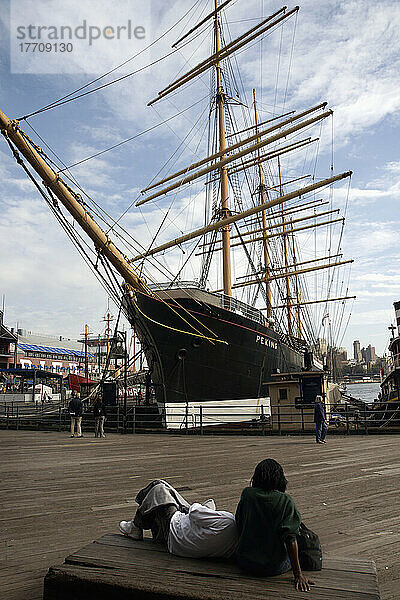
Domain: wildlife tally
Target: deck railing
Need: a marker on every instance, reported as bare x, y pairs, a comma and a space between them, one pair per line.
222, 300
239, 307
204, 419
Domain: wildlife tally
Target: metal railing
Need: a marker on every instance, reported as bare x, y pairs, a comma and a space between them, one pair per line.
239, 307
175, 285
205, 419
218, 299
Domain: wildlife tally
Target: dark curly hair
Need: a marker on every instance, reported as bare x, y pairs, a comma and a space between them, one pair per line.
268, 475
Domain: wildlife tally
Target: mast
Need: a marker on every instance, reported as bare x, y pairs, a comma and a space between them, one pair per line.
323, 301
226, 244
279, 234
107, 330
290, 273
243, 215
296, 279
285, 250
99, 352
263, 216
72, 202
196, 27
226, 51
232, 157
281, 223
86, 357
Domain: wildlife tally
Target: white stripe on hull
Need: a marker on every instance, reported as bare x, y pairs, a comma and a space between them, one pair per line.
214, 413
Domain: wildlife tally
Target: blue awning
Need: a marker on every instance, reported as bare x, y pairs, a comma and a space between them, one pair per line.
51, 350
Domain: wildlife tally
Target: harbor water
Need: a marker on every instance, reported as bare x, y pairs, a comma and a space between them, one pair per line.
363, 391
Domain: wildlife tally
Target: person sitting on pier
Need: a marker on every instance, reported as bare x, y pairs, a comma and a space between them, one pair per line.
192, 531
268, 522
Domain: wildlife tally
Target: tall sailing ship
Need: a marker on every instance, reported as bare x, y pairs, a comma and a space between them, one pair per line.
219, 339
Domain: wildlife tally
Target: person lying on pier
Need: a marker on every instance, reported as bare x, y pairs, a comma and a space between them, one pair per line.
193, 531
268, 522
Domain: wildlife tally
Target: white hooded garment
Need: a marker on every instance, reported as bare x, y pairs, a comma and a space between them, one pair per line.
203, 532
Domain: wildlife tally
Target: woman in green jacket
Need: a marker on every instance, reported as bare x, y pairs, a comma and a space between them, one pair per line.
268, 522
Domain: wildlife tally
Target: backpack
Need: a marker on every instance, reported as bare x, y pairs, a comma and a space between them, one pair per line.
310, 552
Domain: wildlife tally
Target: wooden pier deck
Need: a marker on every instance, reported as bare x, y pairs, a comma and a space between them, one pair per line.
59, 494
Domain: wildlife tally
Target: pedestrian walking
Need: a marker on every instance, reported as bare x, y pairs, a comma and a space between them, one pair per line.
321, 424
100, 415
75, 410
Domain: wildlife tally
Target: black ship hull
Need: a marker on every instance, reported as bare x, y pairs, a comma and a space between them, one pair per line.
185, 366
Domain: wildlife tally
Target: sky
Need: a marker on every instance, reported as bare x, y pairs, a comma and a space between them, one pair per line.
343, 52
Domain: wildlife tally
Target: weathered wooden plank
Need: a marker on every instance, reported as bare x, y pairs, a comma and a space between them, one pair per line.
83, 583
357, 565
112, 553
140, 558
378, 542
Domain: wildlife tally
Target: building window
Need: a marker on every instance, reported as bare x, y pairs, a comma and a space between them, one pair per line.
283, 394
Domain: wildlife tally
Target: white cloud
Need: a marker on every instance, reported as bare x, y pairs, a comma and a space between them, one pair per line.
393, 167
46, 284
369, 317
106, 34
379, 277
349, 62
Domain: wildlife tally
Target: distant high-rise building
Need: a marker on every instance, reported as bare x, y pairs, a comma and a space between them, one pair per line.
370, 356
357, 351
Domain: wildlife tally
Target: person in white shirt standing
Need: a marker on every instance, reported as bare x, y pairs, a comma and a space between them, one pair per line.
195, 531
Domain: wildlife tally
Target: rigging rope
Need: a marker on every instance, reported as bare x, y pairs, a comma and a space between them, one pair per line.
100, 87
133, 137
111, 275
70, 231
157, 264
199, 335
65, 98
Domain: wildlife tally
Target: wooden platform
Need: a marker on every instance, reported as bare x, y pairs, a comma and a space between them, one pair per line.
115, 567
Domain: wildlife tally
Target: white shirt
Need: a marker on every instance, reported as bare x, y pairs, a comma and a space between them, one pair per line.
202, 532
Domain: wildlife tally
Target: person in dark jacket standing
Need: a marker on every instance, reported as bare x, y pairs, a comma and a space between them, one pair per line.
75, 410
100, 414
268, 522
321, 424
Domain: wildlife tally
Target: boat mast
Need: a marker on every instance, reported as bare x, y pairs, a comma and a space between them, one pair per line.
285, 249
263, 216
296, 279
72, 202
226, 244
